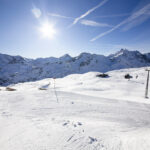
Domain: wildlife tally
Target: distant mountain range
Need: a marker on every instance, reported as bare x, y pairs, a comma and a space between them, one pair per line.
14, 69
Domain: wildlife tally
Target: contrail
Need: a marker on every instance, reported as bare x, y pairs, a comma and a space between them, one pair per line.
88, 12
60, 16
94, 24
129, 20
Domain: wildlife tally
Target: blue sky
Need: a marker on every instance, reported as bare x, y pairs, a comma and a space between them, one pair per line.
95, 26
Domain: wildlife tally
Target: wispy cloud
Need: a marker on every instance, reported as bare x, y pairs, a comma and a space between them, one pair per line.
36, 12
94, 24
131, 21
82, 21
88, 12
60, 16
113, 16
137, 21
104, 16
107, 32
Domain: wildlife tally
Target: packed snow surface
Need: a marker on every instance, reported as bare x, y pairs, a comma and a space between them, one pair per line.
77, 112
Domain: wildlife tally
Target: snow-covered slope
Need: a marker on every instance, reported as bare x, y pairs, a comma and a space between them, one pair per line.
82, 112
14, 69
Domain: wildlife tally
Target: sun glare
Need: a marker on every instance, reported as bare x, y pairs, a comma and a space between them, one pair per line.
47, 30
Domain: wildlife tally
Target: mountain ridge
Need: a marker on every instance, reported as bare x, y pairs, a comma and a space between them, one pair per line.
15, 69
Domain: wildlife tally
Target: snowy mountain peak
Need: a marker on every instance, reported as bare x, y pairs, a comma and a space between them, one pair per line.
126, 56
14, 69
7, 59
84, 54
125, 52
65, 57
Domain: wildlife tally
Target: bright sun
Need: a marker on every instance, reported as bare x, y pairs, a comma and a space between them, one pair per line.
47, 30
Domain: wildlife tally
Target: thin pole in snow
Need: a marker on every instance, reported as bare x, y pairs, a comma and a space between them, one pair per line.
146, 90
55, 91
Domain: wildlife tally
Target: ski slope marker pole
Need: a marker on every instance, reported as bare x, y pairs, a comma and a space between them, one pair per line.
146, 90
55, 91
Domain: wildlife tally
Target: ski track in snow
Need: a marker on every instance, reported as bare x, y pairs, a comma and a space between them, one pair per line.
32, 119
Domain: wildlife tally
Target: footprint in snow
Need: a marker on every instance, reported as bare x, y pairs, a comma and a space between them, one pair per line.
66, 123
92, 140
73, 124
6, 114
79, 123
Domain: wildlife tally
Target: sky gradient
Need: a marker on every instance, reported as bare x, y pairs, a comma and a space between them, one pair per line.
95, 26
